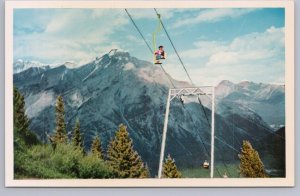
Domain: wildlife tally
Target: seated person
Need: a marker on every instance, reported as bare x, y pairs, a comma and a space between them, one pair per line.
159, 54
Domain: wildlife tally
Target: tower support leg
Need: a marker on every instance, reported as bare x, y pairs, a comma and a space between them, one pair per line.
212, 133
163, 142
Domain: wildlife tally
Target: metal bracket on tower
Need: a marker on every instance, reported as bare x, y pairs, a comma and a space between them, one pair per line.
193, 91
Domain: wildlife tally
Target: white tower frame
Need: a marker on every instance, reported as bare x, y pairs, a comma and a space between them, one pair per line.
196, 91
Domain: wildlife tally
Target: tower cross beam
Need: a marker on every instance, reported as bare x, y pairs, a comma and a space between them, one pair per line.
190, 92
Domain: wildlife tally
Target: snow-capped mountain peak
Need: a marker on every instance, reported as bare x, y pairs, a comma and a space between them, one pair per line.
70, 64
267, 100
22, 65
224, 88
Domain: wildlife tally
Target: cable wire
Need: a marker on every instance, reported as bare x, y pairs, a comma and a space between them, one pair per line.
174, 47
136, 27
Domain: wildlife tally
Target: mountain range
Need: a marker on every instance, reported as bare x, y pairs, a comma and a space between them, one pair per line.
119, 88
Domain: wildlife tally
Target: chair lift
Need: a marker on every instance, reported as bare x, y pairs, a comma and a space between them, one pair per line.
159, 54
205, 164
181, 98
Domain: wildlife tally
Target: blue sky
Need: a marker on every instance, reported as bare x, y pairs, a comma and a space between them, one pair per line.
215, 44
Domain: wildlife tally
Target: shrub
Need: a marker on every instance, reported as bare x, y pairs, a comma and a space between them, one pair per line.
65, 159
93, 167
35, 163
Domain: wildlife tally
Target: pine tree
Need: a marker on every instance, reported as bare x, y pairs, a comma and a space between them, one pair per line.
123, 159
22, 134
60, 135
77, 139
170, 169
250, 164
96, 147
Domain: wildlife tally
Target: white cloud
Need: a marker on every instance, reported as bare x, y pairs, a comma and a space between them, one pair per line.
135, 39
212, 15
72, 35
203, 49
58, 23
280, 80
253, 56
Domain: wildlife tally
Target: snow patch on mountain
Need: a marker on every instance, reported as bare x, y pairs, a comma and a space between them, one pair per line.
98, 64
63, 74
76, 99
268, 91
129, 66
38, 102
71, 65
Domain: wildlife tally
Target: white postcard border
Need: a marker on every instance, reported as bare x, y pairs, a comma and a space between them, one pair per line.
288, 181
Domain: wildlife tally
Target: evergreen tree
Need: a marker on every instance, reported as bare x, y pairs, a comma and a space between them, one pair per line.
22, 134
77, 139
123, 159
96, 147
170, 169
250, 164
60, 135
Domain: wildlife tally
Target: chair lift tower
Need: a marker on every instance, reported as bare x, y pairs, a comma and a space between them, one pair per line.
179, 93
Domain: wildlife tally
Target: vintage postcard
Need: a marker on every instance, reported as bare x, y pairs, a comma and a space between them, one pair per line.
149, 93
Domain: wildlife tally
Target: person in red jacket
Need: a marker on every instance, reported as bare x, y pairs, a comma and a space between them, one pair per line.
159, 54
